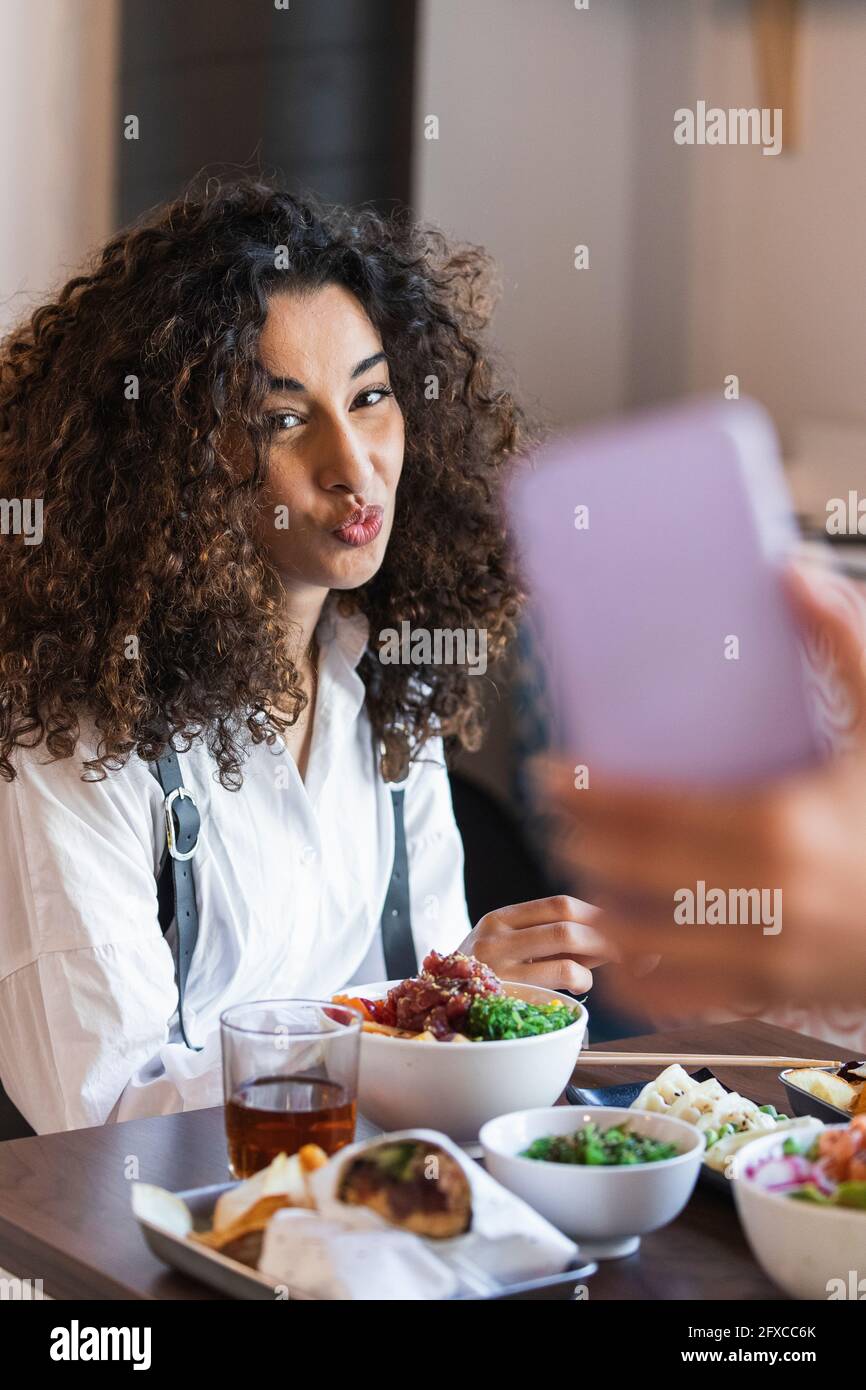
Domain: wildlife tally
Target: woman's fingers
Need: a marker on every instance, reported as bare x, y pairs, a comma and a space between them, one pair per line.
551, 776
831, 608
715, 947
645, 842
552, 939
651, 811
627, 860
553, 974
539, 940
667, 993
697, 966
562, 907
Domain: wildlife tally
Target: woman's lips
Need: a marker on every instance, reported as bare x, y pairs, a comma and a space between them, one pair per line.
361, 527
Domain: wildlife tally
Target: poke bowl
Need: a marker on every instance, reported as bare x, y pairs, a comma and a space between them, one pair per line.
801, 1198
512, 1046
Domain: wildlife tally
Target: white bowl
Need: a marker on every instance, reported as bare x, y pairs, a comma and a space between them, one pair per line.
456, 1086
800, 1246
605, 1209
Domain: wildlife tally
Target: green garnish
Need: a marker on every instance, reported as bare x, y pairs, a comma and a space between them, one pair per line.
590, 1145
792, 1147
712, 1136
497, 1017
847, 1194
394, 1159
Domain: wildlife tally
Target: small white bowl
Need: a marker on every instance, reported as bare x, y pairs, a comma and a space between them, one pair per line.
456, 1086
605, 1209
809, 1250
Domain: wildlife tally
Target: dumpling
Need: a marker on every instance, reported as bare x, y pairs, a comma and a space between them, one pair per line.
699, 1105
668, 1087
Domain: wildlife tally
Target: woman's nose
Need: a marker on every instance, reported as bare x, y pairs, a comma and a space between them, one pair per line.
346, 461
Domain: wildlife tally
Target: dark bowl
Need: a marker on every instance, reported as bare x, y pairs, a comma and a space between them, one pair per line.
804, 1103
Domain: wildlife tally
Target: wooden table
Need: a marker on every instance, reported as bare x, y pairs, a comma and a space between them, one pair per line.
65, 1209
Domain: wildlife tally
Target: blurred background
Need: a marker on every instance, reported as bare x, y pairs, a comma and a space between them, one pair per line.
553, 128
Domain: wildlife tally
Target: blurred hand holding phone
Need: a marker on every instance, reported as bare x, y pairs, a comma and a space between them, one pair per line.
657, 554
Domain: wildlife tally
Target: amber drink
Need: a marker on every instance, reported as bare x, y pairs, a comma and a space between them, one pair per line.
290, 1077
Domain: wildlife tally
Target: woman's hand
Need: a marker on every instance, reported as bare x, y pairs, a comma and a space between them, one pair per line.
549, 942
803, 839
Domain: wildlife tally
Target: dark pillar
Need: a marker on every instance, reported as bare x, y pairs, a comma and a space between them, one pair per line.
320, 93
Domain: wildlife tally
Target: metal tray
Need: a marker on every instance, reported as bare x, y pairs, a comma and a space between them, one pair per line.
237, 1280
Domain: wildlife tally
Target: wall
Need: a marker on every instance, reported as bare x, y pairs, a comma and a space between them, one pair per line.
57, 117
534, 103
777, 284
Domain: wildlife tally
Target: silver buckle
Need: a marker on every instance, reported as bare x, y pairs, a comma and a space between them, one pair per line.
169, 824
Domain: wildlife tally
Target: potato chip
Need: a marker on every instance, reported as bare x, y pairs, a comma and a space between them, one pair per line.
285, 1177
161, 1208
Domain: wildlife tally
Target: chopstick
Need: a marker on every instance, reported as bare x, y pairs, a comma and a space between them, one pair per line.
698, 1059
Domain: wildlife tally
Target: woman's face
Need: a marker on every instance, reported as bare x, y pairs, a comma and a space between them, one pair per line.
336, 441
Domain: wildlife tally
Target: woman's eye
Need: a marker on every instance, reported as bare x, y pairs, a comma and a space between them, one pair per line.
276, 419
379, 391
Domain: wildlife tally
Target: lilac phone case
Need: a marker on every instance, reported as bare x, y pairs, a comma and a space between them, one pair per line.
688, 522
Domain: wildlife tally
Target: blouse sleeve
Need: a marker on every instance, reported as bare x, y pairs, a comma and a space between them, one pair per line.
434, 848
87, 986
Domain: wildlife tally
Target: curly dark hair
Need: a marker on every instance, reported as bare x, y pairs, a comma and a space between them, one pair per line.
149, 524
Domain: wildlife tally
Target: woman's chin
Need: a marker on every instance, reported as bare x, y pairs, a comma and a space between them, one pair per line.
334, 566
355, 565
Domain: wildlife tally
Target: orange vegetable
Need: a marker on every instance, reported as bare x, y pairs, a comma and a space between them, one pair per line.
857, 1167
350, 1002
842, 1152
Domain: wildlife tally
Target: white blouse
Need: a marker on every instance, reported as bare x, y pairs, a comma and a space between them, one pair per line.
290, 879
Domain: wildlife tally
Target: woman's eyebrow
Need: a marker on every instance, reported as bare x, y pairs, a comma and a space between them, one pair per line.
291, 383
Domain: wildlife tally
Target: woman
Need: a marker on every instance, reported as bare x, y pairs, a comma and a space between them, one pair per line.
802, 838
264, 434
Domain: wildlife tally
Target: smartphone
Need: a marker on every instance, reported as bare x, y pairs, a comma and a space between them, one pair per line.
653, 552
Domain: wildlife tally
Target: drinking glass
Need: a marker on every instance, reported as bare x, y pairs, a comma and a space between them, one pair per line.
290, 1077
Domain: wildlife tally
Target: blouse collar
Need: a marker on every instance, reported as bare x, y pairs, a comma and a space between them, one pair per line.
350, 633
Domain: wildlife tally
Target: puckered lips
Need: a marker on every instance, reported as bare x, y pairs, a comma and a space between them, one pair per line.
361, 526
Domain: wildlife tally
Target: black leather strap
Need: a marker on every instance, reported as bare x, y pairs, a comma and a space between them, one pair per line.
175, 883
397, 943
